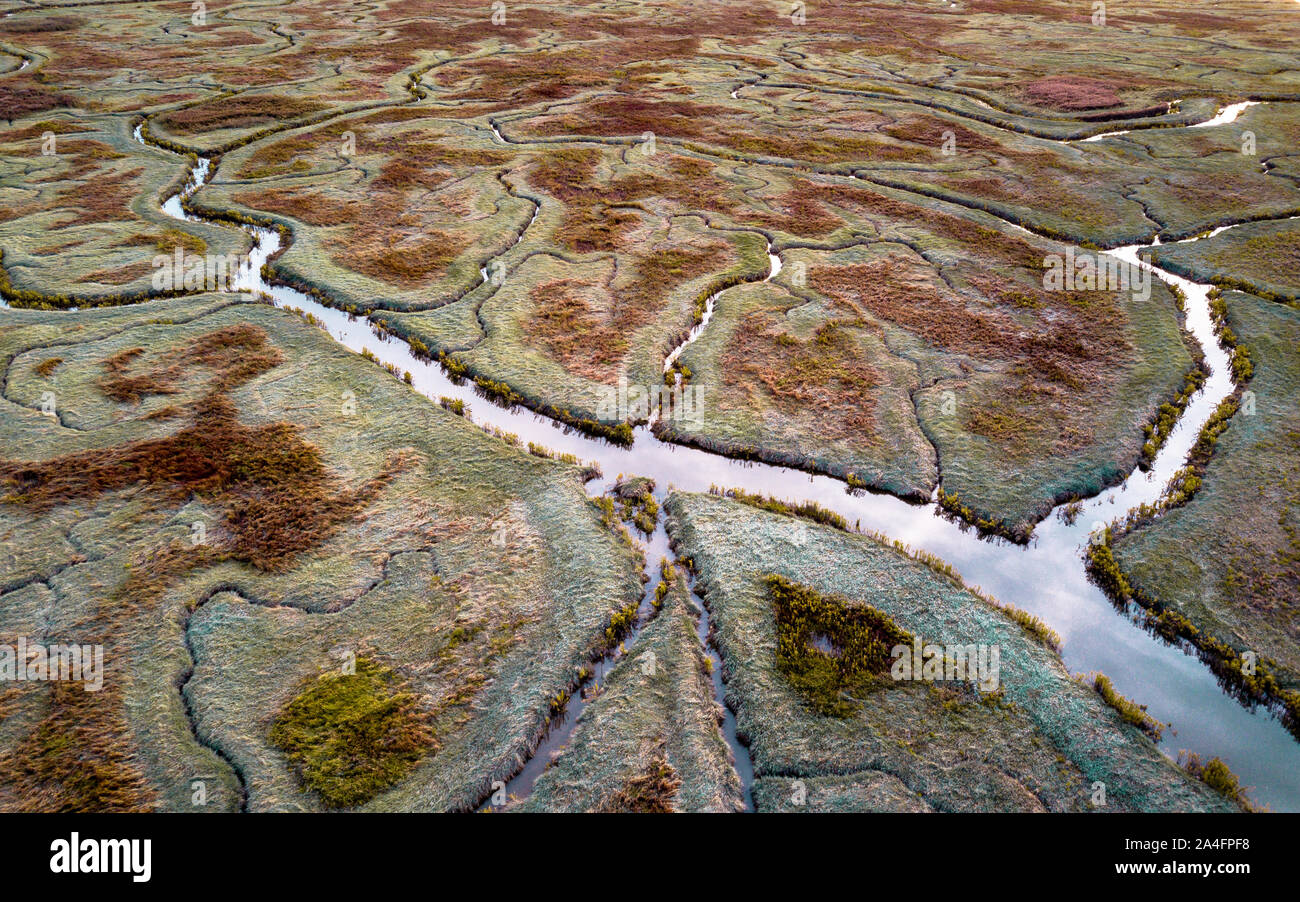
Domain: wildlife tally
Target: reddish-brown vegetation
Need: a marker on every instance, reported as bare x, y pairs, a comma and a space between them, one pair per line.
76, 759
1065, 347
102, 200
40, 24
279, 502
23, 98
309, 207
524, 79
597, 214
47, 366
388, 234
409, 264
649, 792
826, 376
591, 338
427, 164
119, 275
933, 131
636, 114
278, 498
1070, 92
242, 111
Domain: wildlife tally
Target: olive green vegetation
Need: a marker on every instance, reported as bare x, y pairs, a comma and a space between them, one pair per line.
1130, 712
648, 738
480, 574
1239, 360
1219, 565
809, 510
1218, 776
350, 735
637, 504
1169, 414
1038, 741
859, 638
455, 405
503, 394
987, 526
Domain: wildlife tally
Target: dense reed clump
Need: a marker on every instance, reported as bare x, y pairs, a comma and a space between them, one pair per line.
1243, 368
1169, 414
43, 25
668, 577
650, 792
350, 735
621, 622
952, 503
502, 394
857, 639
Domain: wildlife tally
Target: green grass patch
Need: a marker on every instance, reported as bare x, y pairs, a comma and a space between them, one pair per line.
349, 736
642, 511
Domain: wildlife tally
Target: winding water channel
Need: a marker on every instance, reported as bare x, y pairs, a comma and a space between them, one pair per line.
1046, 577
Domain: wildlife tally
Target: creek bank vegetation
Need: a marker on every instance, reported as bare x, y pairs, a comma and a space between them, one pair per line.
503, 210
876, 743
1243, 584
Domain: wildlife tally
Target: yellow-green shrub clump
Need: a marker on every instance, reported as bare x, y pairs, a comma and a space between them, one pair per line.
349, 736
859, 638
